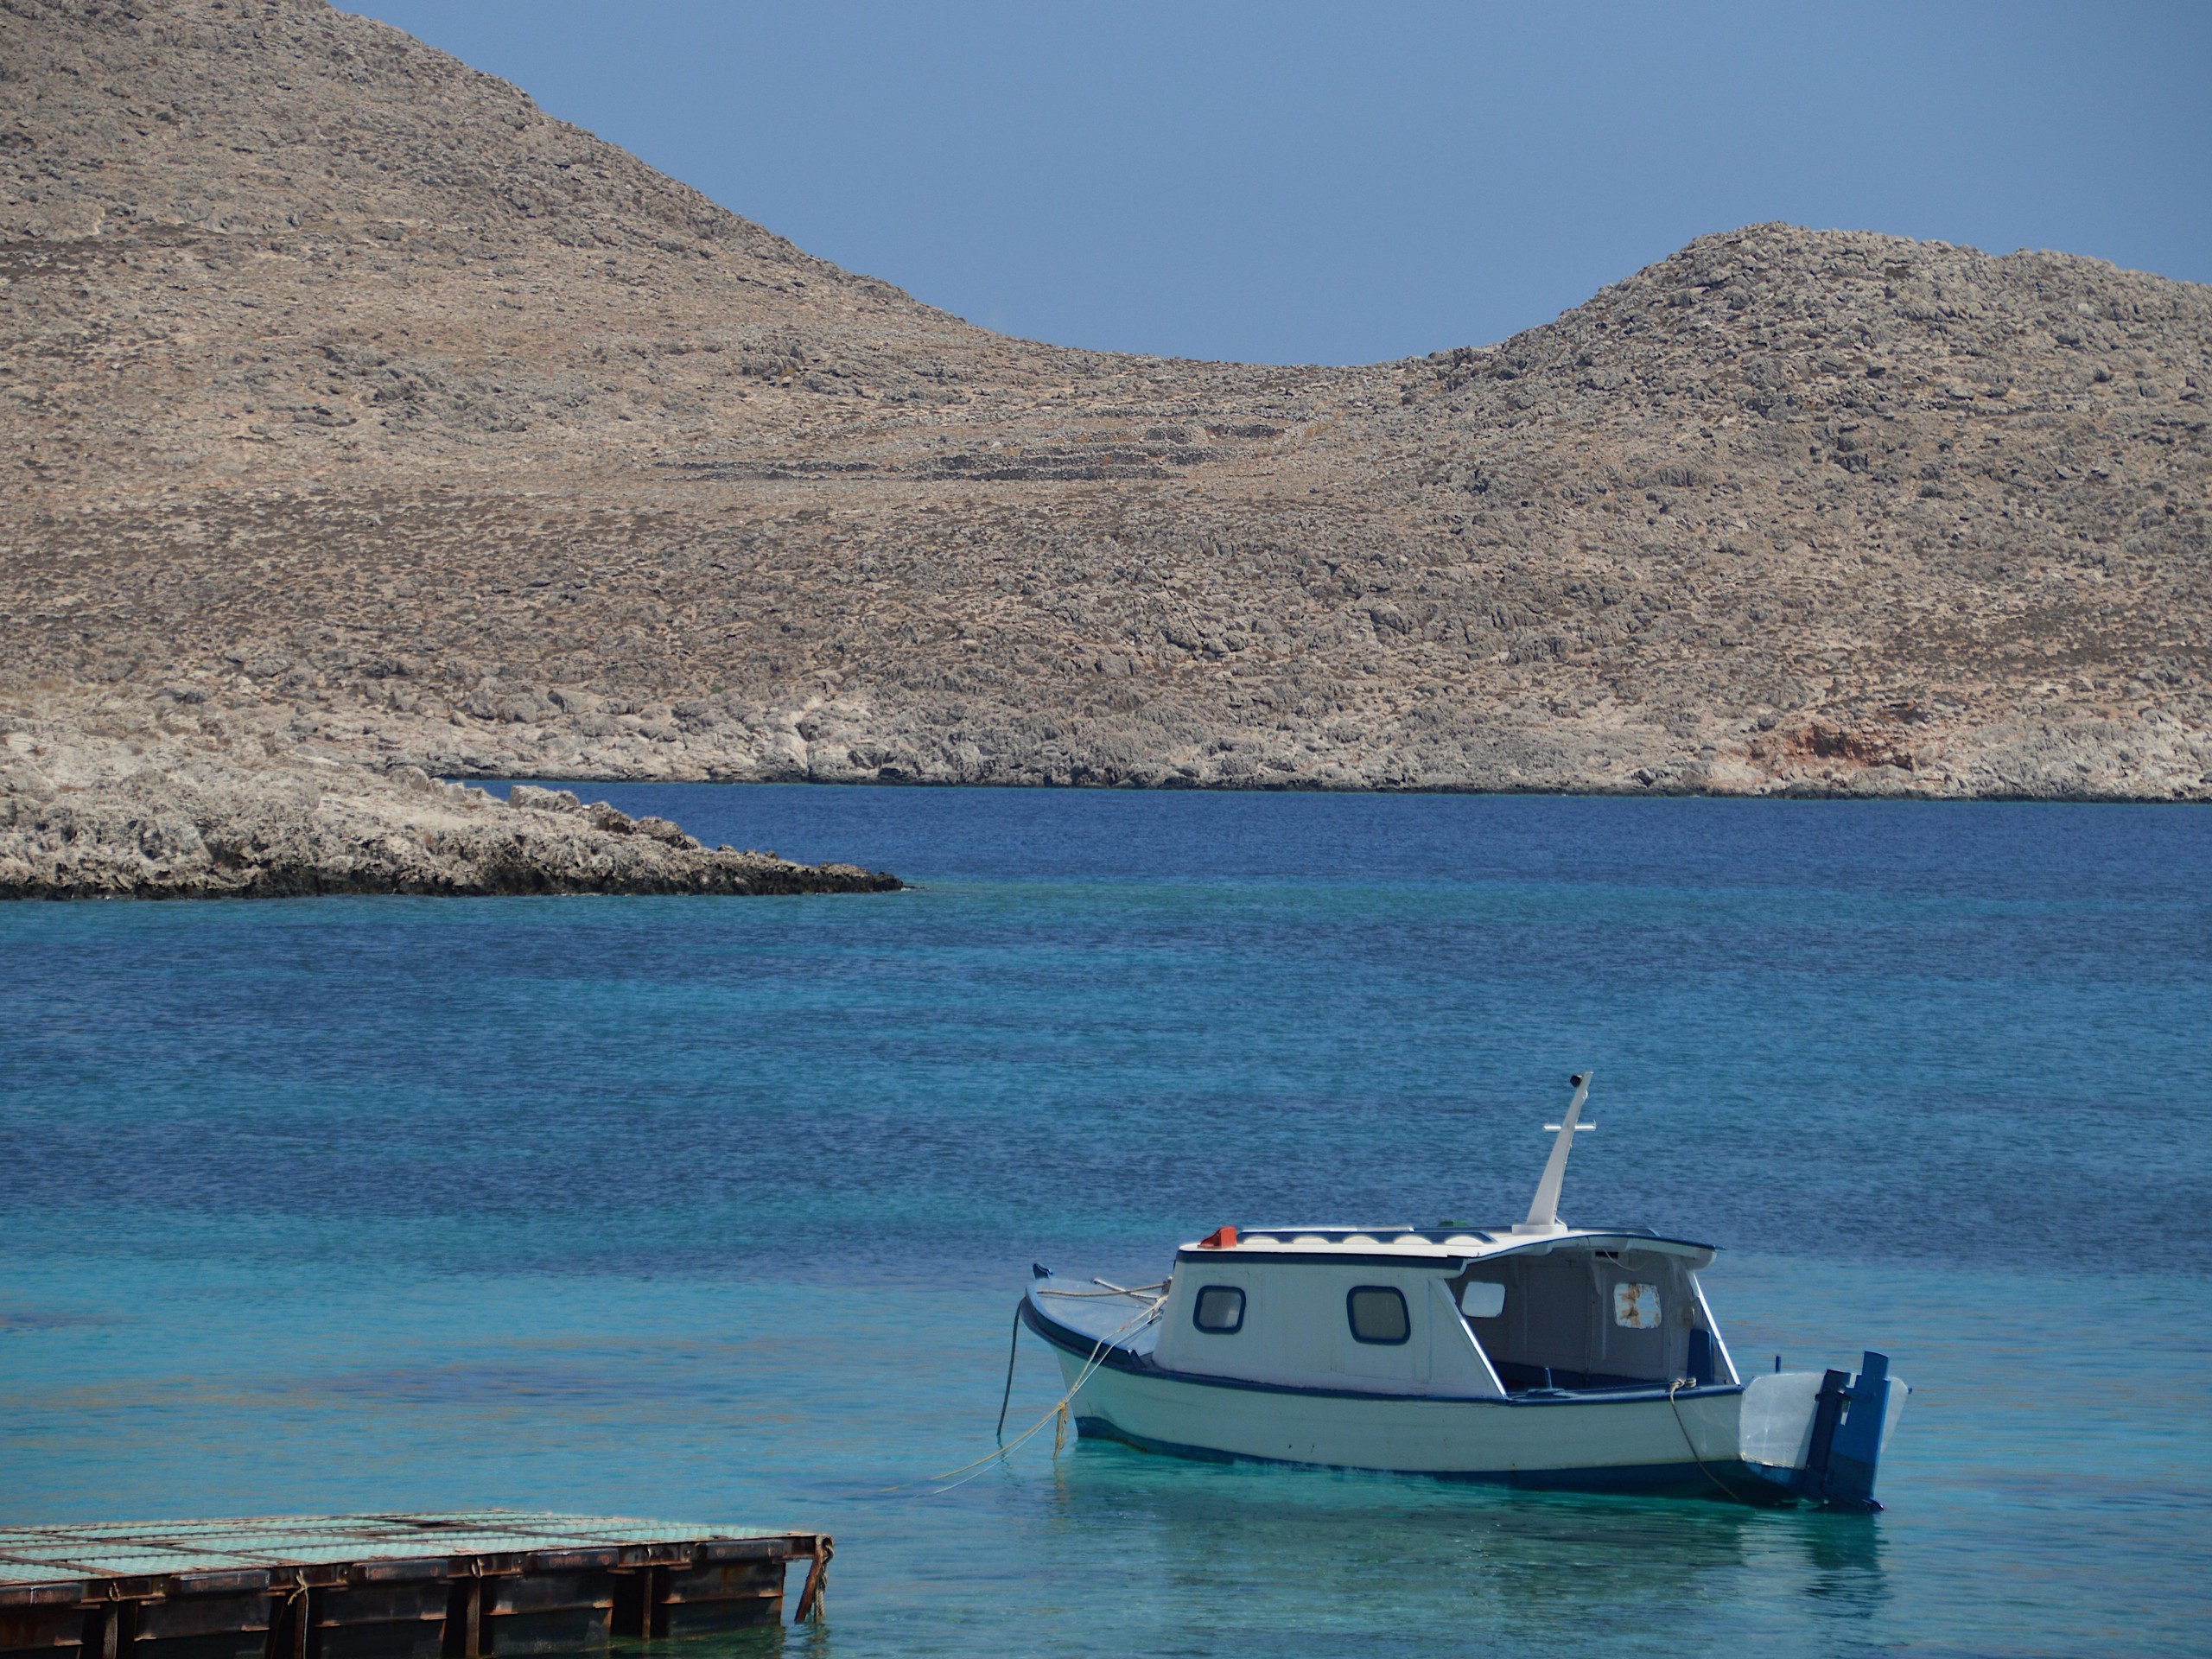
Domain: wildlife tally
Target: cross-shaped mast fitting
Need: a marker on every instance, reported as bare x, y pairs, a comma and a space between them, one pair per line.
1543, 1214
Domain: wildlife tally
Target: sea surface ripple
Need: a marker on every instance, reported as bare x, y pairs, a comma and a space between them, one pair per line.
716, 1209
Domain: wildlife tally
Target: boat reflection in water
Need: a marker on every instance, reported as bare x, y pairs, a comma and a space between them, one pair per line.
1536, 1355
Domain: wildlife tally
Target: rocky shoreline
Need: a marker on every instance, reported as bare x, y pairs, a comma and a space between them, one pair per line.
2148, 755
96, 818
120, 801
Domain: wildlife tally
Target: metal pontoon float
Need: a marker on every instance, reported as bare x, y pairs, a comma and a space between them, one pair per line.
385, 1586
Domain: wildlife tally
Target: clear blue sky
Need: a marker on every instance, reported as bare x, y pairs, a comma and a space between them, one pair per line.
1292, 182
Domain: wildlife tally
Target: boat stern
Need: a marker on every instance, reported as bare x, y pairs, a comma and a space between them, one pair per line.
1820, 1435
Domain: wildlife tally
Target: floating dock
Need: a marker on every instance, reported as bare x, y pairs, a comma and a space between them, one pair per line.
386, 1587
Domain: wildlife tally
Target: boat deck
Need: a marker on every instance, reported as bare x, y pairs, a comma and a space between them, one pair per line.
1102, 1316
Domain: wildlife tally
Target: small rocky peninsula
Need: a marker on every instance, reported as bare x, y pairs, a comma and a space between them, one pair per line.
93, 817
361, 422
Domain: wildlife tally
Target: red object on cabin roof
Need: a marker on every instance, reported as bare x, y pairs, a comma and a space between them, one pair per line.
1221, 1238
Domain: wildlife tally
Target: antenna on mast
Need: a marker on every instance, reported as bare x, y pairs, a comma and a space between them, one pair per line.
1543, 1214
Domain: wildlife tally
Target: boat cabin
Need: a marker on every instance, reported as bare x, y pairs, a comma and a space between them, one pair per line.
1539, 1309
1457, 1312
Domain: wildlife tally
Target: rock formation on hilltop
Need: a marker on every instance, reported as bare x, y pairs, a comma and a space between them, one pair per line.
358, 410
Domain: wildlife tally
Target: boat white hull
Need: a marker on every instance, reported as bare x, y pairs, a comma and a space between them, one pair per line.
1747, 1442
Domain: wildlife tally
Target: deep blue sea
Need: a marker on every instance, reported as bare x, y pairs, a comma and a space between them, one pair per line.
717, 1209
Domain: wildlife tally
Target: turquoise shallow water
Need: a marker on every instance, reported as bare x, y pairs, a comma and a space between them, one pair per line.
717, 1209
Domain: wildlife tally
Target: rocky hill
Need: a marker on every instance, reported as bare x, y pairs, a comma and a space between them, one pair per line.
358, 411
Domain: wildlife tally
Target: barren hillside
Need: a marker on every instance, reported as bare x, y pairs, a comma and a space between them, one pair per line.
356, 409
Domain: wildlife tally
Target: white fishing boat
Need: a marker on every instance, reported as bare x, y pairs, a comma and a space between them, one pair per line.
1536, 1355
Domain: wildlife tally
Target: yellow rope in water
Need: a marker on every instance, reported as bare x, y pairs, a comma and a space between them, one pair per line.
1058, 1412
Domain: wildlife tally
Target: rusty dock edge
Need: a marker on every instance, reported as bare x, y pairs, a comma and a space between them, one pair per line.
512, 1591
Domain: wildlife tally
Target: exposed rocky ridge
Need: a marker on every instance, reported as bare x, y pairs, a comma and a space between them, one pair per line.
362, 407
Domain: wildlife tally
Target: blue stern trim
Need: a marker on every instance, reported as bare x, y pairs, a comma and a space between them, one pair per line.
1856, 1449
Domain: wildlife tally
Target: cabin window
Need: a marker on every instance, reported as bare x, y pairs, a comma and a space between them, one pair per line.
1219, 1309
1482, 1298
1635, 1307
1377, 1314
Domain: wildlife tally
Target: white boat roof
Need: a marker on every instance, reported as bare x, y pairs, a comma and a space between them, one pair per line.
1439, 1243
1540, 1234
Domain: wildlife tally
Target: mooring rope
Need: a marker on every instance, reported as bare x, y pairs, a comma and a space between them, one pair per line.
1012, 1343
1726, 1492
1100, 1348
1112, 1289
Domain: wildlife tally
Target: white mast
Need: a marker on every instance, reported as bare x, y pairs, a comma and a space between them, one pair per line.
1543, 1214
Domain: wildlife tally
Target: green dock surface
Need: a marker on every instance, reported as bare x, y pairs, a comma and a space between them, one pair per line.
385, 1586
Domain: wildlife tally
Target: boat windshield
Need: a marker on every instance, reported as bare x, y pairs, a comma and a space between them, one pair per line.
1590, 1320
